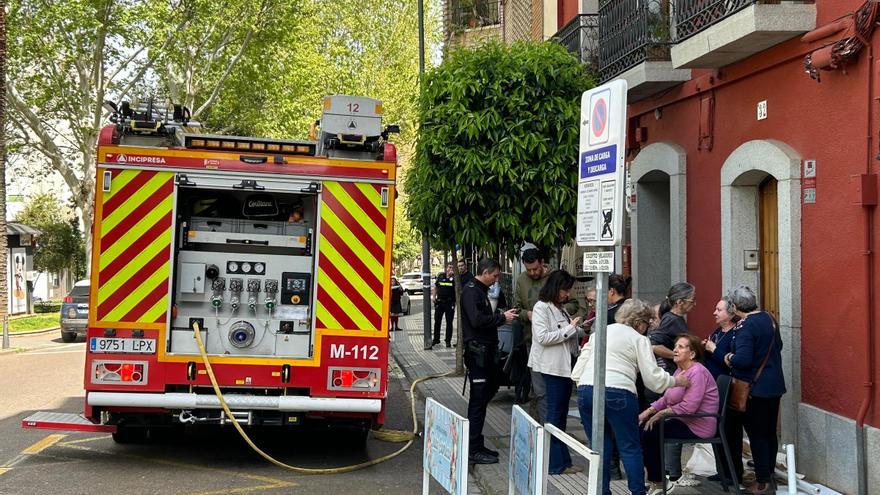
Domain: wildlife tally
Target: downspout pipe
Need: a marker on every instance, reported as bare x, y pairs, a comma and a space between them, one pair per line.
868, 252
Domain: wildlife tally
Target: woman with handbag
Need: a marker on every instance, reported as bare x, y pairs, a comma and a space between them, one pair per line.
554, 345
758, 385
628, 353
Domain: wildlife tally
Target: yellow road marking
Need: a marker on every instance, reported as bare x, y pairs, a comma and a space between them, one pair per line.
43, 444
4, 469
269, 483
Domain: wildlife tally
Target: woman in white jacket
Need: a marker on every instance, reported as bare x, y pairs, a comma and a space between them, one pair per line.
628, 353
554, 345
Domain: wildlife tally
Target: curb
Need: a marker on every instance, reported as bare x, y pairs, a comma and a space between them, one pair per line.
34, 332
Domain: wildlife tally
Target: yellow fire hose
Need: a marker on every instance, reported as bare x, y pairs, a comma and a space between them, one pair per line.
389, 435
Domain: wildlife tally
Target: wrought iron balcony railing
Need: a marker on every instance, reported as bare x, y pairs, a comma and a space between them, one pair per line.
693, 16
632, 32
472, 14
581, 37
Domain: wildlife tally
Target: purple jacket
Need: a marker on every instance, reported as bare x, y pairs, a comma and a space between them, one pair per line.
700, 397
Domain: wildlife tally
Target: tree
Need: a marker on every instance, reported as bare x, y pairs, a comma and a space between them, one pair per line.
4, 246
69, 57
60, 245
407, 244
499, 136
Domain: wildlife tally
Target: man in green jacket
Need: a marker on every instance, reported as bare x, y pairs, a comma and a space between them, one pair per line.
528, 286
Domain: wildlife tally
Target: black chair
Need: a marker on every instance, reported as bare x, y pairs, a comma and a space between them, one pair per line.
723, 383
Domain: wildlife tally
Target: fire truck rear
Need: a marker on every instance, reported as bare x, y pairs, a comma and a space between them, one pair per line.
277, 251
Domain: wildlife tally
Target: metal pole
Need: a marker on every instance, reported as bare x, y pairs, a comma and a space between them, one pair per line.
597, 442
426, 247
6, 332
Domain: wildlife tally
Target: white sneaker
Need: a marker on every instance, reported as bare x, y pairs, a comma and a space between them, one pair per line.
688, 479
656, 488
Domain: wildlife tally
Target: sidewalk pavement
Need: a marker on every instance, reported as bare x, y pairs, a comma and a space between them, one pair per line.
407, 347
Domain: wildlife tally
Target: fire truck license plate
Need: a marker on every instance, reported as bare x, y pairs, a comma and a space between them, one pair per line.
133, 346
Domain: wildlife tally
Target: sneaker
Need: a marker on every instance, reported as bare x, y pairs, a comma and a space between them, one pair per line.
572, 470
482, 458
616, 474
656, 488
688, 479
493, 453
448, 345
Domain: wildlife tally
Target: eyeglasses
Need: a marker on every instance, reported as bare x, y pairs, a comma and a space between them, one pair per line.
591, 301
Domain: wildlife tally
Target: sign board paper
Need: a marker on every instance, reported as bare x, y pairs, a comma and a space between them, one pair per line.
601, 171
599, 261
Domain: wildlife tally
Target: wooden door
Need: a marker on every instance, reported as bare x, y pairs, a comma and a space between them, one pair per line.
768, 219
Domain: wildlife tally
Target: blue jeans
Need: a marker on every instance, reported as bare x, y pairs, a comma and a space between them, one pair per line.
622, 428
558, 395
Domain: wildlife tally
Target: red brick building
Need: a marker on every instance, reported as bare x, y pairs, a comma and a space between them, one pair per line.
747, 170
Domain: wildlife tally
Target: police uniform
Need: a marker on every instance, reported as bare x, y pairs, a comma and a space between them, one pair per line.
480, 333
445, 306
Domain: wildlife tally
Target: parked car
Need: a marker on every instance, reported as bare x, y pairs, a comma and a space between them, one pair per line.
75, 312
411, 282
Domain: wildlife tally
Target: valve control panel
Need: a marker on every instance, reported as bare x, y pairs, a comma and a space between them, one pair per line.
295, 288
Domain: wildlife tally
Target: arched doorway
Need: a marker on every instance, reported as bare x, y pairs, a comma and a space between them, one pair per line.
659, 220
760, 246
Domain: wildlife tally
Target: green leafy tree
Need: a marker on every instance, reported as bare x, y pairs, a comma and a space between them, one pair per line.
60, 245
499, 137
407, 244
3, 144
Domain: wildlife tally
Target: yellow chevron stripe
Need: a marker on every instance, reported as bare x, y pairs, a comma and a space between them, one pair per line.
159, 277
156, 311
376, 233
372, 194
132, 267
372, 265
142, 225
326, 318
120, 179
353, 242
367, 292
135, 200
339, 296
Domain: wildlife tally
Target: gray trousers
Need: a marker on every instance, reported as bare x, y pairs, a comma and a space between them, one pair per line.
538, 403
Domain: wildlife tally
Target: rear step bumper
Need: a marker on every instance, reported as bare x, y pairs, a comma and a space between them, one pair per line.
63, 421
235, 401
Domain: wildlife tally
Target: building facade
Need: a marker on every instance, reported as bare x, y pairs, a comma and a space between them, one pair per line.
753, 160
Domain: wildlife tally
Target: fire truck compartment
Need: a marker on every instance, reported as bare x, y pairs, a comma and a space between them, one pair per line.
244, 267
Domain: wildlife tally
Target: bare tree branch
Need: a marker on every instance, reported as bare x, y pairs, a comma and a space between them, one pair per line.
226, 73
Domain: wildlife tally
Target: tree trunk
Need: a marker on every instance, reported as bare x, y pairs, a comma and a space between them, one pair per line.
4, 247
459, 348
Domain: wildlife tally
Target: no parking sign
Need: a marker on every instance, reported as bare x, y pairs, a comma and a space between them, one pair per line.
600, 165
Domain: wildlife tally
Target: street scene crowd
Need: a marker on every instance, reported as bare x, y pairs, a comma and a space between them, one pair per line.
657, 371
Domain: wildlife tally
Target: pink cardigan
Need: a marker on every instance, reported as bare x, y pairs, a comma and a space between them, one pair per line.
700, 397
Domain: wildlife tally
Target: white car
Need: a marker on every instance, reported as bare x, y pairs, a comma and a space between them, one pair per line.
411, 282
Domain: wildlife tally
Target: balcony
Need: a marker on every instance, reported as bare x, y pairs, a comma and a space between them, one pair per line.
716, 33
581, 37
471, 22
634, 44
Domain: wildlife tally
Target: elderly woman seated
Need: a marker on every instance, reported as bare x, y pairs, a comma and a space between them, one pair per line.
700, 397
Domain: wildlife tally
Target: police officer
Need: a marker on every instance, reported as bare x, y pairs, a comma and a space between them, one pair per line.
480, 333
443, 296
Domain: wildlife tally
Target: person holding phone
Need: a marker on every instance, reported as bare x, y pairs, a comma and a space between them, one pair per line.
480, 334
554, 346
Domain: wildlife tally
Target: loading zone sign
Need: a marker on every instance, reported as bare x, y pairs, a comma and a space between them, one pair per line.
601, 174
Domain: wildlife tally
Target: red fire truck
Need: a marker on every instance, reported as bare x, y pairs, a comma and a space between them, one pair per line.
278, 251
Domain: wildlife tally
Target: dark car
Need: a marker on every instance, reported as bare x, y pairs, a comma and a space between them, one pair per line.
75, 312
